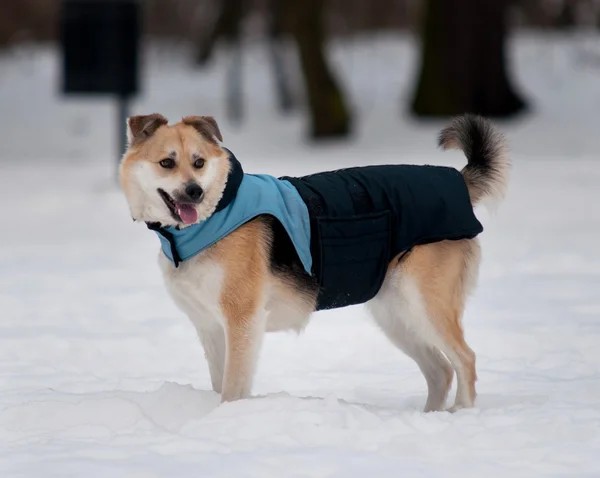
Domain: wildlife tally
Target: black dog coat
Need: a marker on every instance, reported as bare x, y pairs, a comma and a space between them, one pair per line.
361, 218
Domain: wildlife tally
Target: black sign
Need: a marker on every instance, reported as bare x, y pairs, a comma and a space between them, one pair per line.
100, 42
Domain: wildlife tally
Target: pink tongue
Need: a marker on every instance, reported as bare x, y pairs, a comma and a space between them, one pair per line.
187, 213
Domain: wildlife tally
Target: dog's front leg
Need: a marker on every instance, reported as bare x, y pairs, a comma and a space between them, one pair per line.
213, 342
243, 296
243, 336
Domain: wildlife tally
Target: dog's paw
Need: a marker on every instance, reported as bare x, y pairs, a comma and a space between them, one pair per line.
433, 408
459, 406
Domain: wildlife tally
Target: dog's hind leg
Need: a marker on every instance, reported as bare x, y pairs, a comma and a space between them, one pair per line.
463, 360
438, 278
401, 319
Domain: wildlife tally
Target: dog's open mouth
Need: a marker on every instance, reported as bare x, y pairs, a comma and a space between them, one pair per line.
181, 212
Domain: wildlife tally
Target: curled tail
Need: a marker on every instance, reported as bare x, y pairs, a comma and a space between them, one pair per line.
488, 167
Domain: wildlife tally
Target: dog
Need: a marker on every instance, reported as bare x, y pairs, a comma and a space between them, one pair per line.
247, 254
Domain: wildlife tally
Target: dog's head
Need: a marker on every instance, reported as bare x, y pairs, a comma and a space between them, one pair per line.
173, 175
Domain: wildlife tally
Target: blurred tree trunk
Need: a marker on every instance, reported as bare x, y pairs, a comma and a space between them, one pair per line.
329, 113
227, 25
463, 64
285, 99
567, 17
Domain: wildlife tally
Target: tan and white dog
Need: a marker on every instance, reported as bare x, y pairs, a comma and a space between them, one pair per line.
175, 175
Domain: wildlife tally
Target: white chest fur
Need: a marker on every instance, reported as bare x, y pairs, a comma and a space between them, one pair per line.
195, 287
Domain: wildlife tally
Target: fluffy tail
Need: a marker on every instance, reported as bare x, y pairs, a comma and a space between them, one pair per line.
488, 167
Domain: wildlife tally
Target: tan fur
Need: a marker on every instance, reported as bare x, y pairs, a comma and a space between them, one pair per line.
232, 296
244, 257
142, 127
292, 307
445, 274
180, 138
440, 271
205, 125
183, 143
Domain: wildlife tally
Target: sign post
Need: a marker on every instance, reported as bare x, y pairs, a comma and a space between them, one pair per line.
100, 44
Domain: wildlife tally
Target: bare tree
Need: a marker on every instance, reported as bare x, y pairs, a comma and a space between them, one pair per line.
329, 114
303, 19
463, 60
227, 25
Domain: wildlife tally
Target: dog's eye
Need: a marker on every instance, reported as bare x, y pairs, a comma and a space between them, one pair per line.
199, 163
167, 163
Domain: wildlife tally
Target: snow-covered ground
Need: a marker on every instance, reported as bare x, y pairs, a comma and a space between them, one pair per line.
101, 376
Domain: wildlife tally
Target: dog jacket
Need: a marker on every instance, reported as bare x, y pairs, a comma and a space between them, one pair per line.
345, 226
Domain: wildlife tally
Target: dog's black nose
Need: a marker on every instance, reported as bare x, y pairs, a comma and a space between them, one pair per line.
194, 191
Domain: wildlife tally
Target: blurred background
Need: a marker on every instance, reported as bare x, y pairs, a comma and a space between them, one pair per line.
308, 70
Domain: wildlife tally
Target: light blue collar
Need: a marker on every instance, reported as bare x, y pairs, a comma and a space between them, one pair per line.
256, 195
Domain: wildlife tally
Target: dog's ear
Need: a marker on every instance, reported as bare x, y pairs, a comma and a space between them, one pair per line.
205, 125
139, 128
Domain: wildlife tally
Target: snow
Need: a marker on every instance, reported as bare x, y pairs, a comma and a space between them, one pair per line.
101, 375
